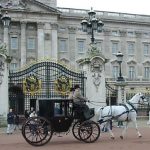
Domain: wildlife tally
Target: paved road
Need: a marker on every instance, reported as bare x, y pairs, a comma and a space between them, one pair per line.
68, 142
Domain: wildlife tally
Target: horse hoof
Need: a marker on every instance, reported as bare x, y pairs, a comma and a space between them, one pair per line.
121, 137
112, 138
140, 136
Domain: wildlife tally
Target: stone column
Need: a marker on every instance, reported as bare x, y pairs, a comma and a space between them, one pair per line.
123, 43
107, 49
72, 43
3, 90
54, 48
139, 50
107, 41
23, 44
40, 37
121, 92
6, 38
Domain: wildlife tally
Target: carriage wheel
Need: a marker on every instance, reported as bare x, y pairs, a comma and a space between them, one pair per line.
75, 129
89, 131
37, 131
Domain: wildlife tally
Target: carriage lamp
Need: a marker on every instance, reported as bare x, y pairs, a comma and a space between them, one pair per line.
92, 24
119, 56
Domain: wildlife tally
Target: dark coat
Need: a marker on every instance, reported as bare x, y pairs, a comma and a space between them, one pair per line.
10, 118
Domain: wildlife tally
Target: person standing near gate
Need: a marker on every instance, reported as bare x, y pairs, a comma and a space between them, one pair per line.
10, 122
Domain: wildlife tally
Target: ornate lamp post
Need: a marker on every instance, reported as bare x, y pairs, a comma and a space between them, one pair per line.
92, 24
120, 83
6, 19
119, 60
120, 80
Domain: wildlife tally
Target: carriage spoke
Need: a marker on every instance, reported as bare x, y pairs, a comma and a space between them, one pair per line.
91, 131
35, 131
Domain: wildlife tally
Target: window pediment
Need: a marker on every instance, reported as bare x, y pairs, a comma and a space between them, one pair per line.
147, 62
130, 62
114, 62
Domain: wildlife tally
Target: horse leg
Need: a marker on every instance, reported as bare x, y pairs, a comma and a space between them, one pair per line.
109, 130
124, 130
136, 127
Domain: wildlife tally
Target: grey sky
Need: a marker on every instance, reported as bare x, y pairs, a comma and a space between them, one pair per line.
126, 6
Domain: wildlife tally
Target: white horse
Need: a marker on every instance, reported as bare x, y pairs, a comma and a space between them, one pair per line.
126, 112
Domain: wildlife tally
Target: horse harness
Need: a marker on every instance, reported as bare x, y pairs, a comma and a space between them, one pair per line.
125, 112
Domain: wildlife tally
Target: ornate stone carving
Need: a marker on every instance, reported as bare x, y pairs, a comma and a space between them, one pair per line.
138, 34
2, 67
54, 26
107, 31
123, 32
96, 69
20, 4
40, 25
23, 24
3, 49
72, 29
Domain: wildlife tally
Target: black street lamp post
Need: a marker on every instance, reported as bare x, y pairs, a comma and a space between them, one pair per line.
119, 60
92, 24
121, 81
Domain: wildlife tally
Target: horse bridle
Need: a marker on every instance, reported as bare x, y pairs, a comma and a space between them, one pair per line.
143, 99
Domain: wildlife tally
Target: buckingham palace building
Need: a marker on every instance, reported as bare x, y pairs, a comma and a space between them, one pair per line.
40, 30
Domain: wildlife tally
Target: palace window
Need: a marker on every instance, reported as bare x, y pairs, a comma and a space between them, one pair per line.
63, 45
146, 48
114, 48
14, 43
131, 72
81, 46
31, 43
147, 72
130, 48
130, 33
13, 66
115, 33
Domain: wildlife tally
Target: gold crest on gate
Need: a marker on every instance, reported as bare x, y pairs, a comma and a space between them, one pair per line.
32, 85
62, 84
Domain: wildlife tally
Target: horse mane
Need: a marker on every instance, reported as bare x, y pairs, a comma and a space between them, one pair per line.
135, 96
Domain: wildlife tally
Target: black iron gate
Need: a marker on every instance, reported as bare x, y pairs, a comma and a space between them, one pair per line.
111, 95
41, 80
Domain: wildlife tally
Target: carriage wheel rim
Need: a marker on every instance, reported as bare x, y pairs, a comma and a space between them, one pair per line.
76, 126
95, 132
37, 137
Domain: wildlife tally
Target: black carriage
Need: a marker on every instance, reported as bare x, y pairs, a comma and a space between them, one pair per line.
57, 116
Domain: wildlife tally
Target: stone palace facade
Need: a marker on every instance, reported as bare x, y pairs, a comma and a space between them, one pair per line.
40, 30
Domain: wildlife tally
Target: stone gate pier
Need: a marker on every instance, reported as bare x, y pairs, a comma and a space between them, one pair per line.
3, 89
94, 68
